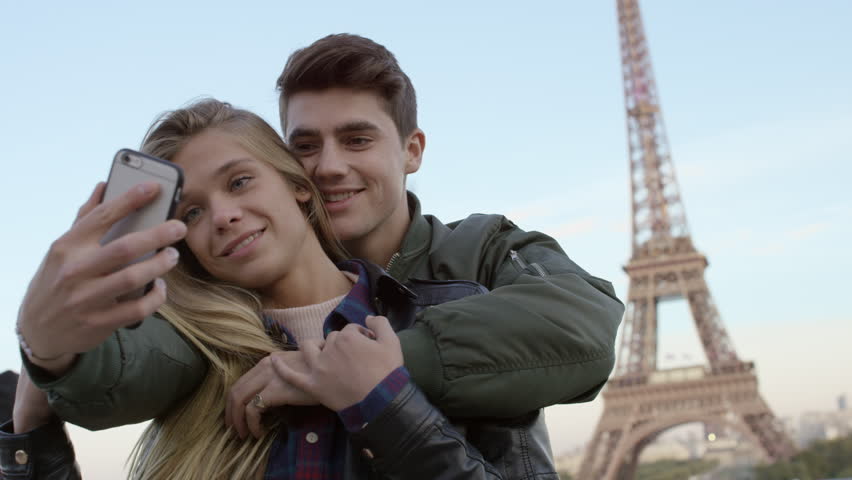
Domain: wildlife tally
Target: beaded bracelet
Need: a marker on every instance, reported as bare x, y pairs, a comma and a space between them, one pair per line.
29, 351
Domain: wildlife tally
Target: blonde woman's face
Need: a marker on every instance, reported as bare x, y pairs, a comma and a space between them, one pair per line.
243, 218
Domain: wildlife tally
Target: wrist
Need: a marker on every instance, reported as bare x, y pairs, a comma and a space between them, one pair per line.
22, 423
359, 414
57, 366
29, 351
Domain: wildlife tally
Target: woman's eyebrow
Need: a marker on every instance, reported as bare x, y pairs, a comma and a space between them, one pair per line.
188, 193
228, 165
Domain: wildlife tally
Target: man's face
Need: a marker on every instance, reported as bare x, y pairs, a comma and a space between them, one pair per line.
351, 149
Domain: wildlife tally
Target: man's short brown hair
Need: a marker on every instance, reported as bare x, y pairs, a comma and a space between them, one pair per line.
350, 61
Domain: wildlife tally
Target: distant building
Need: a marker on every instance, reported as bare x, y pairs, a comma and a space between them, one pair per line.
729, 448
788, 424
732, 451
570, 461
815, 426
841, 403
670, 449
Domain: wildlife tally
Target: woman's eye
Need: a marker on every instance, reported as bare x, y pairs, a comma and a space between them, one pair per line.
190, 215
239, 182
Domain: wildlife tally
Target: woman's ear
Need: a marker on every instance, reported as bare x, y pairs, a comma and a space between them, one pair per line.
302, 194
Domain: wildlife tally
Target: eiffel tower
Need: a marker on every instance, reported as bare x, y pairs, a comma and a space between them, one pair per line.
642, 401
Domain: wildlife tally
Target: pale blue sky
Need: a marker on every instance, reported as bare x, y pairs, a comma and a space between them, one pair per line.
523, 110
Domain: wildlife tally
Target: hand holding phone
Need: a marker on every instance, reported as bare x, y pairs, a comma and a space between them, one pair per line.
70, 305
130, 168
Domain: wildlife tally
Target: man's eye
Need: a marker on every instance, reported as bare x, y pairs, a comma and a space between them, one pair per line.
359, 141
190, 215
239, 182
303, 148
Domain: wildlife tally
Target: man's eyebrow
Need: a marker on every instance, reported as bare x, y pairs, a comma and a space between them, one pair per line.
302, 132
355, 126
348, 127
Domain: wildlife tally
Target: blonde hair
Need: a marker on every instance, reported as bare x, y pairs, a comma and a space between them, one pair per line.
222, 320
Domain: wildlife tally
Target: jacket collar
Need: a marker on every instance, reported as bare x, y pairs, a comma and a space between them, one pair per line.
416, 240
390, 297
383, 285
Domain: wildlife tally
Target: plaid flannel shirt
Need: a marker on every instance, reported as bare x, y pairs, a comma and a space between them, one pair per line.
313, 443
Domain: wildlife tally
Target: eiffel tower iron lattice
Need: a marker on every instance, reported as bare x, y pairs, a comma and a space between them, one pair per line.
640, 400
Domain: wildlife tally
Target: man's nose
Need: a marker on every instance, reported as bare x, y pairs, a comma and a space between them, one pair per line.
331, 163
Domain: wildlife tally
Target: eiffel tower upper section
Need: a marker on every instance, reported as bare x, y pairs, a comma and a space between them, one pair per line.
664, 263
659, 218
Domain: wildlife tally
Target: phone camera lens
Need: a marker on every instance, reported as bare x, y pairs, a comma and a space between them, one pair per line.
125, 159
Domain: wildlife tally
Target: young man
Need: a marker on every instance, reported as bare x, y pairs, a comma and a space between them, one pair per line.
545, 333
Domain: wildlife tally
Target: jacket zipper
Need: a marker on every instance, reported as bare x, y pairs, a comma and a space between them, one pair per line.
517, 259
520, 262
391, 261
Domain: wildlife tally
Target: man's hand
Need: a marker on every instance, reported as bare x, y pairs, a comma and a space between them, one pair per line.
348, 365
240, 411
70, 306
31, 409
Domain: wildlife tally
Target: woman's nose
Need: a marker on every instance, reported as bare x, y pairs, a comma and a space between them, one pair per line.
224, 216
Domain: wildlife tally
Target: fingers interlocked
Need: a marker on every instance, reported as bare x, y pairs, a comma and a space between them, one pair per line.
261, 389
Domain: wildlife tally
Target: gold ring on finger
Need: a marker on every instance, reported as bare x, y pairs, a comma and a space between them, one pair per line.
258, 402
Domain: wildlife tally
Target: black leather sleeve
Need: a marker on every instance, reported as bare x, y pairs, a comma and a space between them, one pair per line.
45, 453
411, 439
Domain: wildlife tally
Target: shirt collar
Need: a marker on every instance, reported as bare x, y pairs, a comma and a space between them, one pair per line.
356, 305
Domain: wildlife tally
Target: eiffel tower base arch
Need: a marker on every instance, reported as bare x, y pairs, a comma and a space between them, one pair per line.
637, 410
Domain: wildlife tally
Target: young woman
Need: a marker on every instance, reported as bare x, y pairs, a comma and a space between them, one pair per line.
256, 279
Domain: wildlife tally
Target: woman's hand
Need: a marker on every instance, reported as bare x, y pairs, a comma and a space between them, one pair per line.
70, 306
348, 365
31, 409
240, 411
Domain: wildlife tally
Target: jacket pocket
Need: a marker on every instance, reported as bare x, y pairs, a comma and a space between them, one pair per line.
436, 292
522, 266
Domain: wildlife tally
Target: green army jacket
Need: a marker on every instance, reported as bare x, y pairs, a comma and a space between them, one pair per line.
544, 334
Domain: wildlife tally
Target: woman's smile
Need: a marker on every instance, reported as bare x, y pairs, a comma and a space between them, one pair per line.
243, 245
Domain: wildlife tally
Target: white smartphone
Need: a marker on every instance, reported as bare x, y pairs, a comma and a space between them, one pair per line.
130, 168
